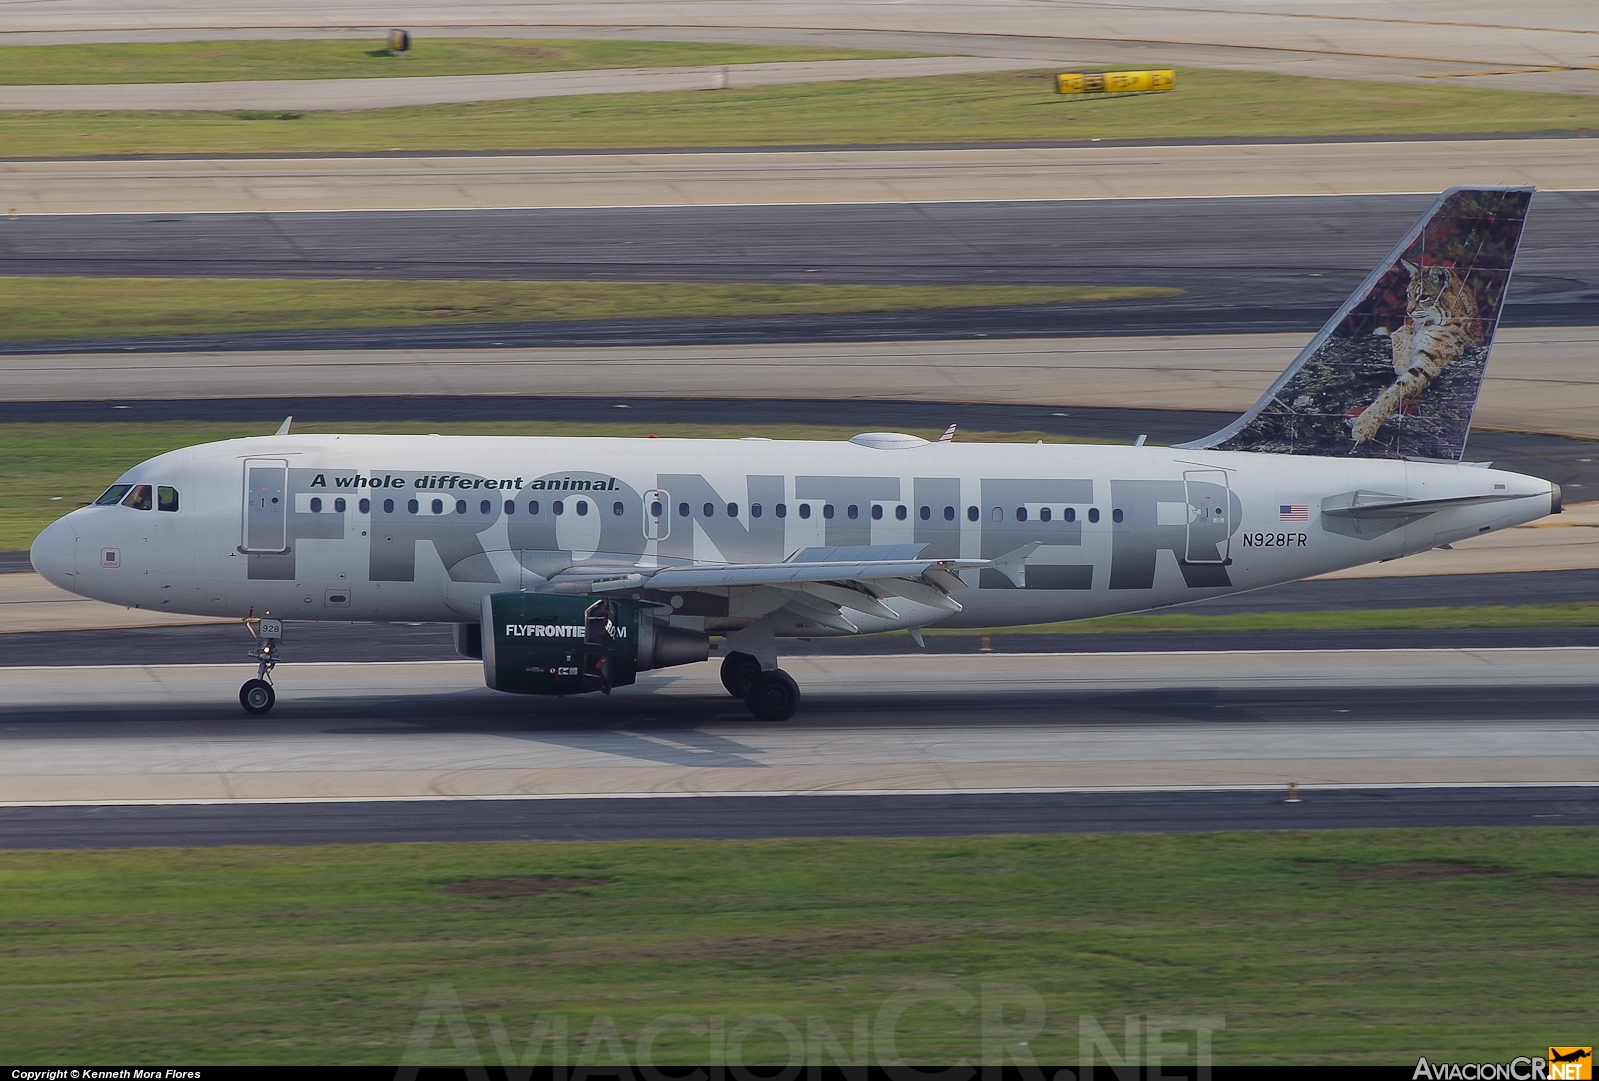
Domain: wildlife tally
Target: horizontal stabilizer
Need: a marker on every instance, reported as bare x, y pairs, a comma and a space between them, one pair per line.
1409, 508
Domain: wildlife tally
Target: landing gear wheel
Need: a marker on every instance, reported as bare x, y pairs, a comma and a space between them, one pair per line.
773, 696
257, 696
738, 672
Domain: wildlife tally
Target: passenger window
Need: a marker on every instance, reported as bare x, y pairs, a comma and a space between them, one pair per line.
1021, 514
805, 510
997, 514
316, 504
1116, 516
411, 505
460, 506
1044, 514
782, 510
827, 510
388, 506
855, 512
113, 495
755, 510
1071, 514
1093, 514
656, 510
732, 510
559, 506
682, 510
710, 510
139, 498
877, 512
365, 506
972, 513
510, 506
582, 507
949, 514
901, 513
485, 507
339, 504
438, 506
166, 498
616, 509
533, 507
927, 512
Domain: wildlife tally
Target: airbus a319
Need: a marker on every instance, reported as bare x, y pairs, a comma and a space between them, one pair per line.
571, 565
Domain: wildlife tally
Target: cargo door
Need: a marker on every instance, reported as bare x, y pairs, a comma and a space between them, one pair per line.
266, 483
1210, 526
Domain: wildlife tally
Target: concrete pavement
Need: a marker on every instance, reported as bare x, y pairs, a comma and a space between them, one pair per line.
1542, 44
1542, 379
790, 177
904, 724
343, 94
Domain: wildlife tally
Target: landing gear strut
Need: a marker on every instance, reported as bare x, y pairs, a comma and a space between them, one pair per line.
257, 695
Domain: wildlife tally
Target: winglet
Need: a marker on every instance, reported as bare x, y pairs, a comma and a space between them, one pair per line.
283, 429
949, 434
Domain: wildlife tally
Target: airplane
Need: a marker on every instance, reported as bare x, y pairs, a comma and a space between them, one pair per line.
570, 565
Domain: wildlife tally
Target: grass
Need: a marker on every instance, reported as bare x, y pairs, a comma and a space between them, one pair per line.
47, 308
232, 61
983, 108
1338, 947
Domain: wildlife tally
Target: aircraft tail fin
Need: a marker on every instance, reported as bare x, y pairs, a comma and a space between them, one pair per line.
1396, 372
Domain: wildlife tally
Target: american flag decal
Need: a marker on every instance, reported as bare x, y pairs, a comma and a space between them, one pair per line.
1293, 512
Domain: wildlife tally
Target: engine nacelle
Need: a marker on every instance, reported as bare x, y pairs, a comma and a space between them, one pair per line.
544, 643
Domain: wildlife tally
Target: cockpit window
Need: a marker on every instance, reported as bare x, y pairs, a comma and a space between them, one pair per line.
139, 498
113, 495
166, 498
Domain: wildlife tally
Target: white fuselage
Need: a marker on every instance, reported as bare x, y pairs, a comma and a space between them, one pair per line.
419, 528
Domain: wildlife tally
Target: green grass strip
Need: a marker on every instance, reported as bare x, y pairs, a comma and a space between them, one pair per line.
233, 61
46, 308
1345, 947
983, 108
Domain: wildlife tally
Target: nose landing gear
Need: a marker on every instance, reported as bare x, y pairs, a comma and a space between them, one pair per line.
257, 695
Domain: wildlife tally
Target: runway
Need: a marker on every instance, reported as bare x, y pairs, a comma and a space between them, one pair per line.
740, 818
116, 757
886, 725
672, 177
1243, 263
1540, 379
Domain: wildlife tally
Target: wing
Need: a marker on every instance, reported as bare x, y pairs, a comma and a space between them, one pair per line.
824, 582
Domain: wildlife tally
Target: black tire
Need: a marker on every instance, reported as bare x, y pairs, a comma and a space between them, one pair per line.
738, 672
773, 696
257, 696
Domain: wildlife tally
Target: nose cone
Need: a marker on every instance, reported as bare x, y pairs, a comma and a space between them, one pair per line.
54, 553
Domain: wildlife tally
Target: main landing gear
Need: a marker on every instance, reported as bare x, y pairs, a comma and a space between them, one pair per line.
257, 695
771, 695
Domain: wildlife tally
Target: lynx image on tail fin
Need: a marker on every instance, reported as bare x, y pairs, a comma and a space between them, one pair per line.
1396, 372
